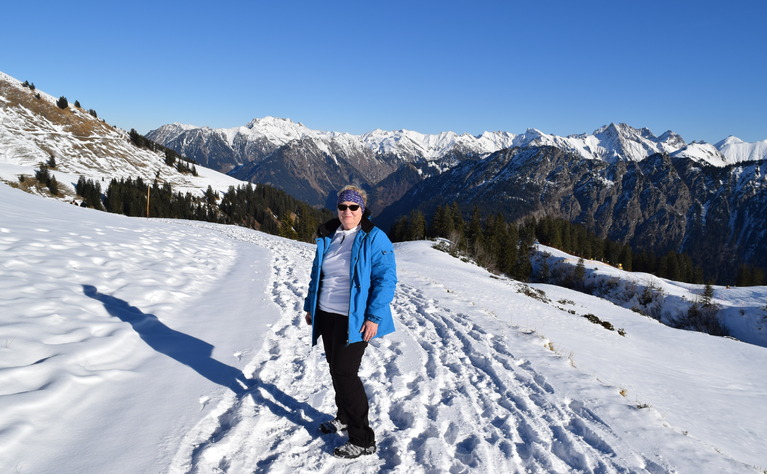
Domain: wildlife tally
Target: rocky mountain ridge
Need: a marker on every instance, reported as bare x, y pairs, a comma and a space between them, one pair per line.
310, 164
663, 203
609, 143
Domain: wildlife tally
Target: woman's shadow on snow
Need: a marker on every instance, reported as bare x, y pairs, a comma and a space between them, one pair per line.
190, 351
196, 354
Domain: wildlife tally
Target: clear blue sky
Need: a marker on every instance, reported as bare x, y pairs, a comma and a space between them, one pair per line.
698, 68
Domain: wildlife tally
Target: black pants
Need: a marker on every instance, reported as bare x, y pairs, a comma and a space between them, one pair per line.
344, 362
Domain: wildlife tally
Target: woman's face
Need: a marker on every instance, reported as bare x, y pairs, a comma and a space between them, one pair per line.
349, 219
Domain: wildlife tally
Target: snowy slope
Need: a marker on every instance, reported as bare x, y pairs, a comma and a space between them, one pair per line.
736, 150
703, 153
134, 345
82, 145
742, 310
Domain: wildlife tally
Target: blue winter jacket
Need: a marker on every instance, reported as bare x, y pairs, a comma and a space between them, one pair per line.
373, 277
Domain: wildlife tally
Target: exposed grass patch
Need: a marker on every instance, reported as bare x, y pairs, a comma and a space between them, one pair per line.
535, 293
78, 122
605, 324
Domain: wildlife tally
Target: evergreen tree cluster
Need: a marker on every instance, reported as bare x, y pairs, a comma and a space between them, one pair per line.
750, 276
129, 197
273, 211
263, 207
488, 240
45, 178
31, 86
575, 239
673, 265
62, 102
491, 242
90, 191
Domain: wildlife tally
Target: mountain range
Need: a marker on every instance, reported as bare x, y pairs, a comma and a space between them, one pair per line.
227, 149
654, 192
657, 193
309, 163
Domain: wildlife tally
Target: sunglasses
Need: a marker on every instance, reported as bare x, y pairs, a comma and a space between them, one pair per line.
352, 207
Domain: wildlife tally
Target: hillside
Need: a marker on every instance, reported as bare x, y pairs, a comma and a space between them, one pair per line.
33, 129
137, 345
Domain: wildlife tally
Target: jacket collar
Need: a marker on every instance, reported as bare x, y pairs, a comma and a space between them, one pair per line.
329, 228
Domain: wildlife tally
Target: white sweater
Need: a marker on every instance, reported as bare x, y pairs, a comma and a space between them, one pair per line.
335, 289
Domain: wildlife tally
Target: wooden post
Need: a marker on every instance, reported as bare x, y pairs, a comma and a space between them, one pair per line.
148, 192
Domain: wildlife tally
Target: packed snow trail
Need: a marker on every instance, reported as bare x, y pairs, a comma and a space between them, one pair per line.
446, 396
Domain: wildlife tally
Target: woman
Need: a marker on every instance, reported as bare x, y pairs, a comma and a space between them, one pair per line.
353, 279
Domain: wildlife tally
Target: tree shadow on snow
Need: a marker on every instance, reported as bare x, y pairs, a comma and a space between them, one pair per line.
190, 351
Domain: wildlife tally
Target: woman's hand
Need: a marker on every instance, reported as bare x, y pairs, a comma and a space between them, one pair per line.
308, 318
369, 330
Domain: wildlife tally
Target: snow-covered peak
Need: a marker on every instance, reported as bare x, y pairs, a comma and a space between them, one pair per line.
169, 132
432, 146
671, 140
731, 140
702, 153
736, 150
277, 130
621, 141
270, 121
611, 143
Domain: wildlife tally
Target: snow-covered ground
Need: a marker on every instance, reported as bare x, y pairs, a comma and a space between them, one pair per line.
133, 345
741, 310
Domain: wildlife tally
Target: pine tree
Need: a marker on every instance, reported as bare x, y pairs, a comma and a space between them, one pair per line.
442, 224
170, 157
474, 232
580, 274
398, 230
53, 186
62, 103
416, 228
626, 258
286, 228
42, 175
210, 196
459, 226
708, 296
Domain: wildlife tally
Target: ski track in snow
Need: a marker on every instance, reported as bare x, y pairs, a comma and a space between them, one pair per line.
462, 403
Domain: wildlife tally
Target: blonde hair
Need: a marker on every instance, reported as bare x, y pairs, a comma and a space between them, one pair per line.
356, 189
